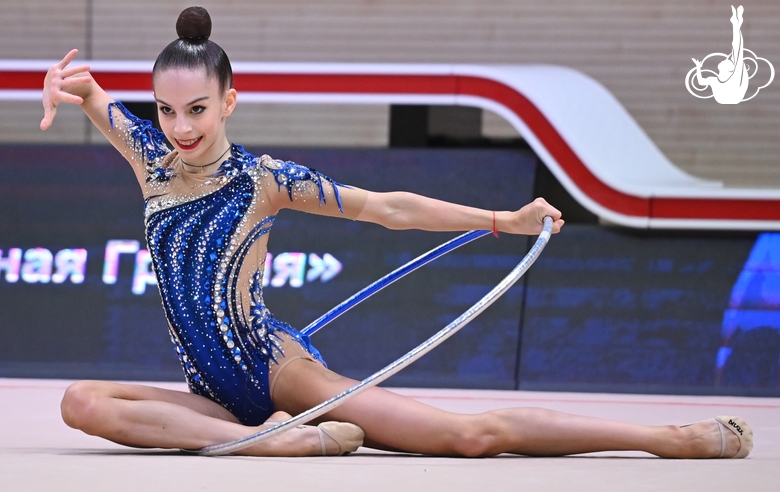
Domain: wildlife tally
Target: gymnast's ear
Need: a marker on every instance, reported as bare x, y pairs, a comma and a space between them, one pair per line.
229, 102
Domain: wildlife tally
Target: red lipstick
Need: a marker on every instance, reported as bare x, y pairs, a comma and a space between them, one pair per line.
188, 147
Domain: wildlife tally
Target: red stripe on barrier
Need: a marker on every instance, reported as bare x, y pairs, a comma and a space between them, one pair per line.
110, 81
346, 83
21, 80
124, 81
715, 209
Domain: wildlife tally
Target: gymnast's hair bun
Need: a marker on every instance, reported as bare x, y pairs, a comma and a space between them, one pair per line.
194, 23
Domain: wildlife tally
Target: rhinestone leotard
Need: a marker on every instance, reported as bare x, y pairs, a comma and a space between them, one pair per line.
208, 251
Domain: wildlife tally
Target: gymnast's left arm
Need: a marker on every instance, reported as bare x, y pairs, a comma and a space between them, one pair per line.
293, 186
402, 210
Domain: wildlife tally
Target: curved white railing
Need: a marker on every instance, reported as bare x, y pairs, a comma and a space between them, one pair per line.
576, 126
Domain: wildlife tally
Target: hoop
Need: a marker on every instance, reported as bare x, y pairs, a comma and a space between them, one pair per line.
404, 361
390, 278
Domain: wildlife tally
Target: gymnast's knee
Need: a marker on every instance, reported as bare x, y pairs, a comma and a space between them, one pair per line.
475, 439
80, 404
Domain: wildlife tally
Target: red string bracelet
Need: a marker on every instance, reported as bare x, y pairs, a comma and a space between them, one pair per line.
495, 231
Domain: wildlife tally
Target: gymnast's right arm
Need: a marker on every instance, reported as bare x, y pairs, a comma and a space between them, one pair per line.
75, 85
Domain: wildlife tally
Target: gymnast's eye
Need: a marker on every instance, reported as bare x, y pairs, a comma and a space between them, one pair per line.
165, 110
198, 109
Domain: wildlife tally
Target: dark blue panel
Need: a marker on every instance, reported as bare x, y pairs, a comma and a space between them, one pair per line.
81, 197
609, 310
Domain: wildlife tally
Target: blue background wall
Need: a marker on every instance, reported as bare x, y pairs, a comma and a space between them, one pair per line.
602, 310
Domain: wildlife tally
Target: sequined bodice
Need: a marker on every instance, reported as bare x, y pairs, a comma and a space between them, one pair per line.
208, 249
198, 249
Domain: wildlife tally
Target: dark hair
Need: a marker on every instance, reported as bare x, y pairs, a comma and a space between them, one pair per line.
194, 50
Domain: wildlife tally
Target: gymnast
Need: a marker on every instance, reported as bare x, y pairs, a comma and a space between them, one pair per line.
209, 207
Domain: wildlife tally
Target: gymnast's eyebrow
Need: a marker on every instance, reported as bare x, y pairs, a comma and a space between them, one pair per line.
188, 104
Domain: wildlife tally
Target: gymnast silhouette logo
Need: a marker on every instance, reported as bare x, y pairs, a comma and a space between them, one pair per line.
735, 70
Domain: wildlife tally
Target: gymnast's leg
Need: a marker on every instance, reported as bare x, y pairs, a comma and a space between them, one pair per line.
143, 416
394, 422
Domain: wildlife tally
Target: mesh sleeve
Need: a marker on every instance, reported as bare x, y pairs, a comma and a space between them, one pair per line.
302, 183
144, 142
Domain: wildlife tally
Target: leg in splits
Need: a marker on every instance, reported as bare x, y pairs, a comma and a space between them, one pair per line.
394, 422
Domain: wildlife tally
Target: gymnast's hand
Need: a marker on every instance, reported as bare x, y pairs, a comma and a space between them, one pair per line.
530, 219
62, 84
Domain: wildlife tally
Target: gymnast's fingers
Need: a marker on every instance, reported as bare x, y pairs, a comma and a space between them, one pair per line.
57, 79
70, 98
530, 218
71, 71
49, 106
48, 116
74, 81
67, 59
543, 209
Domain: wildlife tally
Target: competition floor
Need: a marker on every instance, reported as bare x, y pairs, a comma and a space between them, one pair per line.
38, 452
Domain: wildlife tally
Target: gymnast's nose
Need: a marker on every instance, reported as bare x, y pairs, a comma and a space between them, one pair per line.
183, 125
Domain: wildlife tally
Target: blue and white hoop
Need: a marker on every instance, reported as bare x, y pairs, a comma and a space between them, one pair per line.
408, 358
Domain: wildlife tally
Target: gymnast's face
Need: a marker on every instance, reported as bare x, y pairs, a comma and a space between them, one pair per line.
193, 112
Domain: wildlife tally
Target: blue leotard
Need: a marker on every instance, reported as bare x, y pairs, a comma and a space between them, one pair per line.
206, 249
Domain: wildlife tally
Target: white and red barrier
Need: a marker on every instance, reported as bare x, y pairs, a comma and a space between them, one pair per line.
579, 130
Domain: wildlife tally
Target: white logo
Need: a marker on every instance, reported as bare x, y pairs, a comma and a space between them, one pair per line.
735, 70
